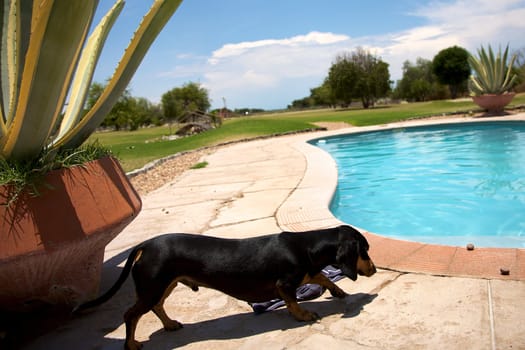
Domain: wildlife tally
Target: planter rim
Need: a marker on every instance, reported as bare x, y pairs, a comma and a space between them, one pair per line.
56, 171
493, 103
503, 94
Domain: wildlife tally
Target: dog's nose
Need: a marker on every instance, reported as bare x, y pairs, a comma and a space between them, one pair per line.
372, 269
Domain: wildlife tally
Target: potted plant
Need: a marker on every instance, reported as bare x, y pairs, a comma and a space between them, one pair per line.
57, 218
493, 79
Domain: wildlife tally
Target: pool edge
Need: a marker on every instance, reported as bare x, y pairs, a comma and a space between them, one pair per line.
307, 208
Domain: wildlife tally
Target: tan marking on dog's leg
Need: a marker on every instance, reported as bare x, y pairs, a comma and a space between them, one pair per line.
138, 256
131, 318
168, 323
324, 281
293, 307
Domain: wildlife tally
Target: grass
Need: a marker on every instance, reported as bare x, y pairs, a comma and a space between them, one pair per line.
200, 165
137, 148
29, 175
134, 149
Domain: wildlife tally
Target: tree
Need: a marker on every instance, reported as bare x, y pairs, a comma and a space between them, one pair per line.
120, 114
341, 78
418, 83
94, 92
373, 79
322, 95
305, 102
144, 113
128, 113
451, 68
178, 101
361, 75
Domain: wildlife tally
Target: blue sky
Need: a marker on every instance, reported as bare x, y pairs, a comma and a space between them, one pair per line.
267, 53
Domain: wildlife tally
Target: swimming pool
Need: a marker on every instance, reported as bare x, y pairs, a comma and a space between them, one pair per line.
444, 184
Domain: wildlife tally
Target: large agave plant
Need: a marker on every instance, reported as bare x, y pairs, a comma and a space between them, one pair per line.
492, 74
47, 63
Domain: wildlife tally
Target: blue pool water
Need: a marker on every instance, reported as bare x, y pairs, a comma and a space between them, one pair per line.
447, 184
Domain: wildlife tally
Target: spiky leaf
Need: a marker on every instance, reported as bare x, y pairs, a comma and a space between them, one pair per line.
86, 68
151, 25
492, 73
47, 72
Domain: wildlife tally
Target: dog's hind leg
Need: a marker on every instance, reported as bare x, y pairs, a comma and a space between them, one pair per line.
131, 318
287, 293
148, 298
168, 323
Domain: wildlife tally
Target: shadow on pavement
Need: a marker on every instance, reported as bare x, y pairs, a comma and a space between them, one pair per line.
21, 327
244, 325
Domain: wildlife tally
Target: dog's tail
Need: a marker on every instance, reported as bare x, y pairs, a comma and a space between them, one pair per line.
132, 258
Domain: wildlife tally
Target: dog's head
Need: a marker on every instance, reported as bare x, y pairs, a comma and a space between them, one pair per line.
352, 255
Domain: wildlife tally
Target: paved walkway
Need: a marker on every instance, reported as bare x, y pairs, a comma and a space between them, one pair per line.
266, 186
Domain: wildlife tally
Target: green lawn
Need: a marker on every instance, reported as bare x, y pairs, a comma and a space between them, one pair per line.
137, 148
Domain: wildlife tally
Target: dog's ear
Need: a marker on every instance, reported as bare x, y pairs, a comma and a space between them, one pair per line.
346, 258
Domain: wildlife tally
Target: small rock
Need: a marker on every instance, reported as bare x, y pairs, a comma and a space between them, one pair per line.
504, 271
470, 246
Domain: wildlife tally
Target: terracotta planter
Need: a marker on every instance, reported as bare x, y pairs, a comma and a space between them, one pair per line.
493, 103
52, 245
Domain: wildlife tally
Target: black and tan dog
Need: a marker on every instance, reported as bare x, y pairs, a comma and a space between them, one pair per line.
254, 269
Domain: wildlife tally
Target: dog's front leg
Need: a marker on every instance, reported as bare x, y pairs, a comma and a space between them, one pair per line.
287, 293
324, 281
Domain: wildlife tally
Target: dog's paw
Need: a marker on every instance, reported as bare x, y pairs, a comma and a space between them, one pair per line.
306, 316
172, 325
132, 345
314, 316
338, 293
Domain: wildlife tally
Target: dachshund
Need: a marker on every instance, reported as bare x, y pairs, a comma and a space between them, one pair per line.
253, 269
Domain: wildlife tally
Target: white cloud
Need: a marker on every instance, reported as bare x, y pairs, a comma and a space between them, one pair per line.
444, 12
312, 38
258, 68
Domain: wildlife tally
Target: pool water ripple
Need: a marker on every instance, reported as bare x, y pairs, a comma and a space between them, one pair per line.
448, 184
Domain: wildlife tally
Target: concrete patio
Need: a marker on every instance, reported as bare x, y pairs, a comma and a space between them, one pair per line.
422, 298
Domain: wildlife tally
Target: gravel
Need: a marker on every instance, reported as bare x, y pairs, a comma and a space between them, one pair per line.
164, 171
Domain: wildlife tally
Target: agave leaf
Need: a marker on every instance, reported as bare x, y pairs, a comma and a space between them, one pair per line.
7, 57
483, 74
159, 13
509, 79
493, 74
47, 73
475, 64
16, 29
490, 62
6, 51
86, 68
475, 86
500, 68
489, 73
